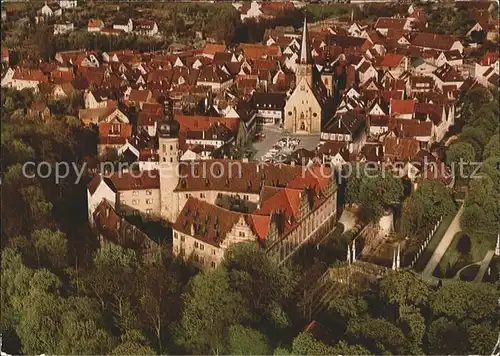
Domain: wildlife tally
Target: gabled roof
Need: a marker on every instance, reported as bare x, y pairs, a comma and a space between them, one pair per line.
402, 106
212, 48
30, 75
391, 60
211, 223
400, 148
267, 101
448, 74
348, 123
256, 51
122, 181
114, 228
432, 40
213, 74
405, 128
390, 23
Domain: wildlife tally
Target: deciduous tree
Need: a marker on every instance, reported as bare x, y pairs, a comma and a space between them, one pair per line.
246, 341
210, 308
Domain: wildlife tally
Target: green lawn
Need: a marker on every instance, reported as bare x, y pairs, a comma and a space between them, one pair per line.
431, 246
453, 260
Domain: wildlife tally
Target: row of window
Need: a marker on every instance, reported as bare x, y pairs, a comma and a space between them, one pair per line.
136, 192
164, 147
197, 244
335, 137
138, 201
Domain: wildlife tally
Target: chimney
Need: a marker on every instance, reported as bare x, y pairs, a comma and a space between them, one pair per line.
192, 229
292, 163
397, 141
245, 160
376, 150
258, 168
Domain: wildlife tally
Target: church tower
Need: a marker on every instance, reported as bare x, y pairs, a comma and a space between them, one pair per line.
168, 139
305, 66
304, 108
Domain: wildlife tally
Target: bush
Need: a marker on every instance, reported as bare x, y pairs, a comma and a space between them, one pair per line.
464, 244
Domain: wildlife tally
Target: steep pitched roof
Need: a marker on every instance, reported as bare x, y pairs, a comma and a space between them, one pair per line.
402, 106
131, 181
432, 40
390, 23
391, 60
211, 223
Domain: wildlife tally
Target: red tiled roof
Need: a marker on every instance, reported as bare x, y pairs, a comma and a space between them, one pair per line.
391, 60
432, 40
257, 51
139, 95
95, 23
390, 23
133, 181
212, 48
402, 106
202, 123
405, 128
148, 119
400, 148
30, 74
488, 58
211, 223
106, 129
62, 75
285, 200
112, 227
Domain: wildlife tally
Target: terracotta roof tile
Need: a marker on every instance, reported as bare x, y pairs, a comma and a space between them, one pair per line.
391, 60
402, 106
211, 223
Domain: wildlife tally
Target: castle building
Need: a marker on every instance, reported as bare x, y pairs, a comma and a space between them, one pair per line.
305, 109
280, 208
215, 203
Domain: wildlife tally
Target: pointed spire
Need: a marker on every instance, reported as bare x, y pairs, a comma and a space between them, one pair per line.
497, 248
305, 54
398, 263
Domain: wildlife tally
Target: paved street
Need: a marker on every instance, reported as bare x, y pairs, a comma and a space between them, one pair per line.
443, 245
273, 134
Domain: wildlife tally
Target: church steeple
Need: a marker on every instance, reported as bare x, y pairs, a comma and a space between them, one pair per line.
305, 53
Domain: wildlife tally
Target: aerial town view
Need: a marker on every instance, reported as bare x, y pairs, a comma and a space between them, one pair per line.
250, 178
